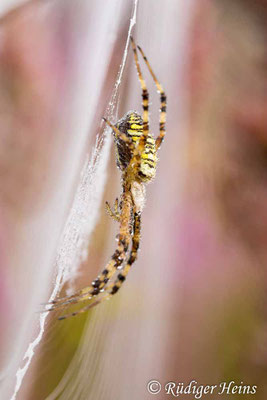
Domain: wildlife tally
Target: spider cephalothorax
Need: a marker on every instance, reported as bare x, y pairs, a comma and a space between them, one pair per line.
136, 154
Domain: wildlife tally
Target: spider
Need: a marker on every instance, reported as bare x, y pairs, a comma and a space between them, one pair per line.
136, 156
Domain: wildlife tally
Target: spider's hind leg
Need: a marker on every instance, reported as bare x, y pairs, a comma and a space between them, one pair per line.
115, 262
114, 287
100, 282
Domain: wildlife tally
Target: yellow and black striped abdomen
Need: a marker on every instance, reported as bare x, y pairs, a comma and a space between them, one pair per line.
132, 125
148, 160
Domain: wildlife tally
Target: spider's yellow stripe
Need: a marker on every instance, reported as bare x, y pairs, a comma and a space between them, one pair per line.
135, 138
146, 156
137, 127
134, 132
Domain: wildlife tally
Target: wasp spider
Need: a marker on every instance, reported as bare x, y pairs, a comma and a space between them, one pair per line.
136, 153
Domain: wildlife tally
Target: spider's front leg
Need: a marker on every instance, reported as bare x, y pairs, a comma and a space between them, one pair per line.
163, 101
120, 135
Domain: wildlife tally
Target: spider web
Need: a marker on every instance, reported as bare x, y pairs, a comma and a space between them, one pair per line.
83, 214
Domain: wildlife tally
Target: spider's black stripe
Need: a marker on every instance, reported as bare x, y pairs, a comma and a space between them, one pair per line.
148, 160
163, 98
95, 291
121, 278
145, 126
149, 165
141, 174
114, 289
145, 95
163, 109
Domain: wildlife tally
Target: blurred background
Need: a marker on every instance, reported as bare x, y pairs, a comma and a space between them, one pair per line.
194, 305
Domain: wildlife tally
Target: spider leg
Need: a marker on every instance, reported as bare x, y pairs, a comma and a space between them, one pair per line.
163, 102
115, 214
82, 310
145, 97
132, 257
61, 302
116, 261
120, 135
123, 244
114, 287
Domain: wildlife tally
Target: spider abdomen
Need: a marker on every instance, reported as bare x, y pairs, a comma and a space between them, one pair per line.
147, 169
148, 160
132, 125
